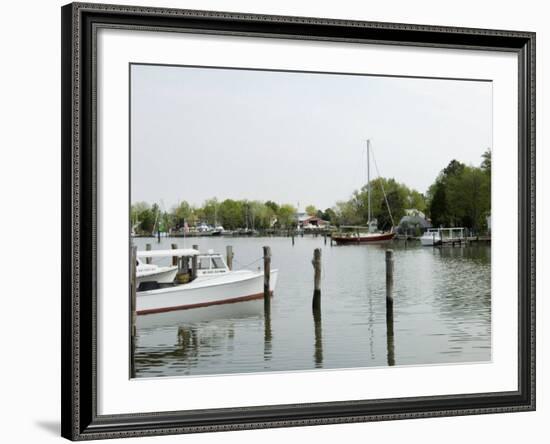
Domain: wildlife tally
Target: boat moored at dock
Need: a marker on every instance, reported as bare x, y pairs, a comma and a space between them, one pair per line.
210, 283
439, 236
351, 235
154, 273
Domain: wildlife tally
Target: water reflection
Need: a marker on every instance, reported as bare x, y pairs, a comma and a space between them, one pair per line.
267, 336
318, 329
390, 345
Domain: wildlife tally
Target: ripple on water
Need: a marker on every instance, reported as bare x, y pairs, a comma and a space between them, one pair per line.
442, 313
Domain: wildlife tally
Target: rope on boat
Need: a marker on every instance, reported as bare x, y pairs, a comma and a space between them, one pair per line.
248, 265
383, 191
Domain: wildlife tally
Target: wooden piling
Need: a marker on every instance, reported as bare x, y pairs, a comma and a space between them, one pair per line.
267, 277
316, 262
195, 263
148, 259
174, 258
133, 316
389, 277
229, 255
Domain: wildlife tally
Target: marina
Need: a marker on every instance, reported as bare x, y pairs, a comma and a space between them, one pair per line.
262, 257
440, 311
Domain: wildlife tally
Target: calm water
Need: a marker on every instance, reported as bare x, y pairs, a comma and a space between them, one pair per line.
442, 312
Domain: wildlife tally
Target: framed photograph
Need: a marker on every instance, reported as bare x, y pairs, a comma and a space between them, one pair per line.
274, 221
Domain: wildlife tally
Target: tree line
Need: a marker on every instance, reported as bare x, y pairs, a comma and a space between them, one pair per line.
459, 196
231, 214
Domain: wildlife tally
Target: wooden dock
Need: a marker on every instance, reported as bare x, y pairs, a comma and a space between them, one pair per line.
458, 242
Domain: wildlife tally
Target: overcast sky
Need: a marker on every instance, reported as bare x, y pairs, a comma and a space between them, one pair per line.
295, 138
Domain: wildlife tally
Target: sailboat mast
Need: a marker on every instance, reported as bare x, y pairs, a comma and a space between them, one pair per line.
368, 184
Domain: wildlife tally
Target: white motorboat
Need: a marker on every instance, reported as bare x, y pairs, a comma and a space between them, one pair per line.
211, 283
439, 236
154, 273
432, 236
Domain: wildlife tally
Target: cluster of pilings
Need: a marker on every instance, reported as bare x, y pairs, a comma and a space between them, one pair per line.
267, 293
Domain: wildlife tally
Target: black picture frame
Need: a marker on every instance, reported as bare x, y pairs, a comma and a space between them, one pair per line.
79, 209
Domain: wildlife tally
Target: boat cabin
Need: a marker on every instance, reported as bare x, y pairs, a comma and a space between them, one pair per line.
191, 265
211, 263
438, 236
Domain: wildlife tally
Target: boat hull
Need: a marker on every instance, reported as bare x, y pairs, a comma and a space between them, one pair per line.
430, 242
367, 239
164, 275
239, 286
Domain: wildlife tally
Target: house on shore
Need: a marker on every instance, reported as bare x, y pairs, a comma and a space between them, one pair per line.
307, 222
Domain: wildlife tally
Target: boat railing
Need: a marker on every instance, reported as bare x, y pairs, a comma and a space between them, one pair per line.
447, 233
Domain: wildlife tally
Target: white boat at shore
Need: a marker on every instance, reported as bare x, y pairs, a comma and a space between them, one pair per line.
212, 283
432, 236
437, 236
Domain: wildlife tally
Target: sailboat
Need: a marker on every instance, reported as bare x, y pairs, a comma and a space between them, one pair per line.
356, 234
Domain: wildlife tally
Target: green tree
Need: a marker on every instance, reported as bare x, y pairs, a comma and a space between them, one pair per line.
396, 202
348, 213
486, 163
416, 200
461, 195
438, 208
210, 211
183, 212
441, 212
329, 215
135, 210
261, 215
311, 210
286, 216
273, 206
147, 219
469, 195
398, 196
230, 213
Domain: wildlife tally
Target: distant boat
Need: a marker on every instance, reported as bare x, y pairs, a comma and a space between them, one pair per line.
217, 231
358, 235
431, 237
439, 236
214, 284
354, 236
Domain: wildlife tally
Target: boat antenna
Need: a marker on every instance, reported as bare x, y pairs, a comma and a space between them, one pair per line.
368, 184
383, 191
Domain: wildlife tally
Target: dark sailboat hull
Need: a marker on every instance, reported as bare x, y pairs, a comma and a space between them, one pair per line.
371, 238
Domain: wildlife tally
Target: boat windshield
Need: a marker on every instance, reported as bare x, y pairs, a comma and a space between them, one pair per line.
204, 263
211, 263
217, 262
